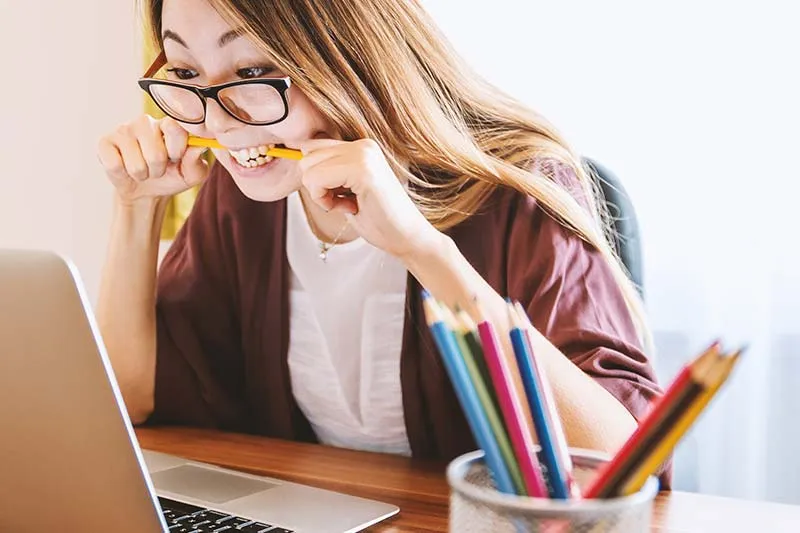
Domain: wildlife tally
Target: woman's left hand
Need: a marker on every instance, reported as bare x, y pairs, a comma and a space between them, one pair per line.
378, 205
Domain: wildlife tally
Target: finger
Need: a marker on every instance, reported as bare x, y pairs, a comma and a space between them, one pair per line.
321, 196
312, 145
194, 167
317, 150
151, 142
321, 156
132, 158
110, 158
323, 181
346, 204
325, 162
175, 139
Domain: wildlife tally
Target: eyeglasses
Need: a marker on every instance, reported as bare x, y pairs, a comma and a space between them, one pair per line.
258, 102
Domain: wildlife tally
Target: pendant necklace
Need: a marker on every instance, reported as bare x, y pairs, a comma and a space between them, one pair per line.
324, 247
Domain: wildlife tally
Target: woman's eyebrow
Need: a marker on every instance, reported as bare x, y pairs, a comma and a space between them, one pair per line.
229, 36
171, 35
224, 39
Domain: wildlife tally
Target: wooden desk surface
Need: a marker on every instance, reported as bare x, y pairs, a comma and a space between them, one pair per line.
420, 489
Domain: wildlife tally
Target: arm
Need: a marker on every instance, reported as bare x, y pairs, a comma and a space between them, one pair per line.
593, 417
592, 399
147, 161
167, 331
126, 302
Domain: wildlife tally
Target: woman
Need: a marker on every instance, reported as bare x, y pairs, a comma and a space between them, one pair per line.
289, 304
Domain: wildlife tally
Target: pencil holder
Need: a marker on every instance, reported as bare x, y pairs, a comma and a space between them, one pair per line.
476, 506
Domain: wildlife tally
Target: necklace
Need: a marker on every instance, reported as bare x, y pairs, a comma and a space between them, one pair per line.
324, 247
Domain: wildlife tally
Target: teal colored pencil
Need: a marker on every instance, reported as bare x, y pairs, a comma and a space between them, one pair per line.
491, 409
467, 396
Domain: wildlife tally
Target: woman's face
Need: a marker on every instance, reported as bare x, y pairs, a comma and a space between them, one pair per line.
202, 49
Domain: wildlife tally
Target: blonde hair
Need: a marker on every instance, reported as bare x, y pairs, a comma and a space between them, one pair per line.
381, 69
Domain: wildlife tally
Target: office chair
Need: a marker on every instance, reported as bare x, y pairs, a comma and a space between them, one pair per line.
623, 216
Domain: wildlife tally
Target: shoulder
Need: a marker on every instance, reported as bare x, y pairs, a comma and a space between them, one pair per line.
518, 242
510, 211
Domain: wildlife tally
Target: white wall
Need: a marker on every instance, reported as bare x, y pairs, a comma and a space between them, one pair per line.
69, 75
688, 101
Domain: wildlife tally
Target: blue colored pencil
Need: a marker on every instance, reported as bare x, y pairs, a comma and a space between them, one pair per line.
561, 448
466, 394
531, 380
493, 414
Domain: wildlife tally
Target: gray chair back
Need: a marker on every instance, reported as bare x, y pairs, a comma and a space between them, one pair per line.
623, 216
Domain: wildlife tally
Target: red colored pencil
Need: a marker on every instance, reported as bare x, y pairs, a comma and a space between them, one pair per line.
611, 472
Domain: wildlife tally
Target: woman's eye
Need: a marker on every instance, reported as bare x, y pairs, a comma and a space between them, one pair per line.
254, 72
182, 73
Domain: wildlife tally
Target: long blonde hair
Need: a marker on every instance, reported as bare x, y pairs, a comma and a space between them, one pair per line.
381, 69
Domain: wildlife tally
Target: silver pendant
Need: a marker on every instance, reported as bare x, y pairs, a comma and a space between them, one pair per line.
323, 252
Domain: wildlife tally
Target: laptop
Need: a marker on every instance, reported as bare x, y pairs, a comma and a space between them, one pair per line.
69, 459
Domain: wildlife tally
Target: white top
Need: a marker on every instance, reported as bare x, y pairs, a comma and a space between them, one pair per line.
346, 330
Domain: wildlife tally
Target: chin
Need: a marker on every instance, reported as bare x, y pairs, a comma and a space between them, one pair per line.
270, 182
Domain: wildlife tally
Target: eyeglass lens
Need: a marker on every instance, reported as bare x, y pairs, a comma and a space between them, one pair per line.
249, 102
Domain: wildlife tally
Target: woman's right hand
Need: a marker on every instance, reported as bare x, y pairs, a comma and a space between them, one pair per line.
149, 158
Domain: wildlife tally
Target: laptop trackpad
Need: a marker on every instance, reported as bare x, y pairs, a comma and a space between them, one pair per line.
207, 484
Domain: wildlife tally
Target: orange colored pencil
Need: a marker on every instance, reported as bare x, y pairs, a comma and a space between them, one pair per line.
287, 153
612, 473
712, 382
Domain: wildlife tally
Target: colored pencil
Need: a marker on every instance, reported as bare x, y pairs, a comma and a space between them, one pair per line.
469, 330
492, 413
611, 474
533, 390
520, 431
712, 382
693, 391
561, 449
467, 396
287, 153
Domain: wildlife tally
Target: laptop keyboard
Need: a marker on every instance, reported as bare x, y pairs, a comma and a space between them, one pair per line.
185, 518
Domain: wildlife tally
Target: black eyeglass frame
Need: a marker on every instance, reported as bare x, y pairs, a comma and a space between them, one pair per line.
204, 93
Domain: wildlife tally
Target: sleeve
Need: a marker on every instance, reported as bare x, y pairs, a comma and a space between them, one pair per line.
573, 298
195, 322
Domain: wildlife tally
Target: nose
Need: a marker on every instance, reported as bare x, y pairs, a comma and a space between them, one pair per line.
218, 120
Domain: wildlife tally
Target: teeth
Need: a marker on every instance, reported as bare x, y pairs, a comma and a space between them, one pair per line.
252, 157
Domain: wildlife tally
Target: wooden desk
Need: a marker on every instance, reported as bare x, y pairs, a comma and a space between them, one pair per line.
420, 489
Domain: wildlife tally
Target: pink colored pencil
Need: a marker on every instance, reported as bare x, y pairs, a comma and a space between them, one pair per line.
519, 429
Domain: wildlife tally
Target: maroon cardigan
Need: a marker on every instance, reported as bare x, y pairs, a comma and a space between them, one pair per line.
223, 318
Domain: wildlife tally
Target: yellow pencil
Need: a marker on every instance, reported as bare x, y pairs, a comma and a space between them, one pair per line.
286, 153
714, 378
